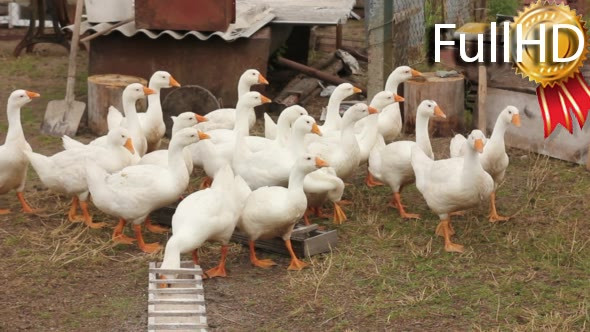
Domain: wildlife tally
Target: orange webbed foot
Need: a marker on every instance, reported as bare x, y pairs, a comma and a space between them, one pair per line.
406, 215
157, 229
123, 239
454, 247
371, 182
5, 211
162, 285
264, 263
494, 217
297, 265
218, 271
151, 248
339, 215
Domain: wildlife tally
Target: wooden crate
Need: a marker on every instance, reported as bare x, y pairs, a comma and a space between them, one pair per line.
306, 241
200, 15
181, 306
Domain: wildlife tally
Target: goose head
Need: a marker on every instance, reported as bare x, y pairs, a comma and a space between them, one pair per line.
344, 91
477, 140
188, 119
188, 136
404, 73
252, 99
136, 91
511, 115
163, 79
19, 98
253, 76
293, 113
429, 109
309, 163
306, 124
385, 98
357, 112
120, 137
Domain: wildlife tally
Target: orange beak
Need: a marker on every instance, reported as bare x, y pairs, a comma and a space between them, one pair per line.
478, 145
200, 118
202, 135
147, 91
516, 120
262, 80
266, 100
129, 146
373, 110
173, 82
398, 98
416, 73
356, 90
319, 162
32, 94
439, 113
316, 130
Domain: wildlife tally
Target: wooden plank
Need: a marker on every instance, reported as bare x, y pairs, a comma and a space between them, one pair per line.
482, 91
199, 300
380, 44
176, 326
530, 136
177, 313
176, 271
174, 281
175, 290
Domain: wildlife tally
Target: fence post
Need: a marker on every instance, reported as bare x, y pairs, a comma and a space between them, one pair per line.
380, 44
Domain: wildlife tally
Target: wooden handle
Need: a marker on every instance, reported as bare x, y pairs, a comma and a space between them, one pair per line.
73, 51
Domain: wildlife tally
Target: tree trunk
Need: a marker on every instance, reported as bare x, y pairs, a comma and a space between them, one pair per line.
104, 91
448, 93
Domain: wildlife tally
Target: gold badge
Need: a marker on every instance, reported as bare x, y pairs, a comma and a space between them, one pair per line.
549, 73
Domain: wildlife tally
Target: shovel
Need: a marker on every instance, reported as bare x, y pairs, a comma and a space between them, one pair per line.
62, 117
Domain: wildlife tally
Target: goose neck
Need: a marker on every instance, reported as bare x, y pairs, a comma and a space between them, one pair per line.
392, 83
295, 143
333, 109
243, 87
154, 102
15, 128
471, 164
242, 124
176, 163
296, 181
499, 130
283, 129
422, 137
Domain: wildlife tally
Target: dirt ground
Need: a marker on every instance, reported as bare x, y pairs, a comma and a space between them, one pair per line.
528, 274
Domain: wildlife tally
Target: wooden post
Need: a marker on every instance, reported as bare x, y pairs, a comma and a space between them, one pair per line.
588, 160
338, 36
482, 91
104, 91
380, 43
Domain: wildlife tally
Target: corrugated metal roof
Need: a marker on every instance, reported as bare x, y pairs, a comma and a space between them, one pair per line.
308, 12
250, 17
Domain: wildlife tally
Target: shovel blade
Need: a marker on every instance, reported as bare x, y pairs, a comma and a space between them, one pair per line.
62, 119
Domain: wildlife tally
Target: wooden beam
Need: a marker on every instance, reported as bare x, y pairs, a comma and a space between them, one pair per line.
482, 92
380, 43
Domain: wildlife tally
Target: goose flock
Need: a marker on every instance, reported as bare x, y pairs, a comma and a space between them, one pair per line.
261, 185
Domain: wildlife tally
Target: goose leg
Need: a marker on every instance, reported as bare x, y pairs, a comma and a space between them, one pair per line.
206, 183
72, 214
296, 264
306, 217
219, 271
154, 228
26, 207
320, 214
494, 216
88, 218
444, 228
397, 200
145, 247
371, 182
339, 215
263, 263
118, 235
196, 256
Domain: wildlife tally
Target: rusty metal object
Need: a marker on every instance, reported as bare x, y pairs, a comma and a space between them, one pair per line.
314, 72
212, 64
200, 15
188, 98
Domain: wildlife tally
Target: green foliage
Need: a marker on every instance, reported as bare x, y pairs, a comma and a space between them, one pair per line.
504, 7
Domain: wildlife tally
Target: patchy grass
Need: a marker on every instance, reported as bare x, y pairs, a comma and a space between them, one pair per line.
528, 274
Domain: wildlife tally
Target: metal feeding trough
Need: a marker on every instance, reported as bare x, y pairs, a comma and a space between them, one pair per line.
181, 305
306, 240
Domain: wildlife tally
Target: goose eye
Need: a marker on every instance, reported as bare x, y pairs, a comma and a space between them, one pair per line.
430, 106
192, 135
122, 136
308, 158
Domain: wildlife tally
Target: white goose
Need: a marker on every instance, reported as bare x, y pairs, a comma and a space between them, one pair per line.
283, 207
152, 121
215, 153
390, 118
13, 161
272, 166
65, 171
207, 215
131, 94
134, 192
160, 157
225, 118
393, 165
282, 129
494, 158
452, 185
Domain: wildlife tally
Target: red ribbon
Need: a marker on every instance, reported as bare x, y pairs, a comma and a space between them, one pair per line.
557, 101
